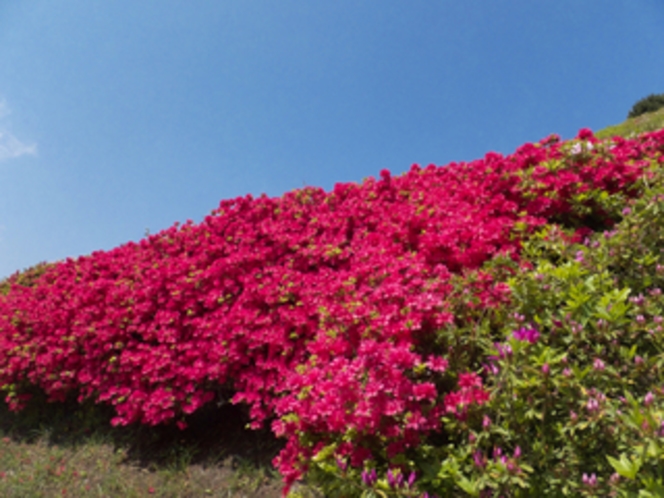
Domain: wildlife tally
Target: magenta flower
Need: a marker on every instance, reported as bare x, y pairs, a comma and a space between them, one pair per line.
369, 478
411, 479
479, 459
526, 334
391, 481
589, 480
592, 405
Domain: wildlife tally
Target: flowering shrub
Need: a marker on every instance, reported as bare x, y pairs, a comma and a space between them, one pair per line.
358, 322
576, 389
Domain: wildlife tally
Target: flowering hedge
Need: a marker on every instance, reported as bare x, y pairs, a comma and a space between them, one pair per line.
319, 310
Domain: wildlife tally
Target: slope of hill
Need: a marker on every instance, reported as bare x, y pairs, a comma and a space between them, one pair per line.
486, 327
633, 126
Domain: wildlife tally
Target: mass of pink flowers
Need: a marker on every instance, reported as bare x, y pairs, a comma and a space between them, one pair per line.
310, 308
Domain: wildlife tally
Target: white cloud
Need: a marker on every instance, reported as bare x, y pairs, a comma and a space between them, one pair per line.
10, 146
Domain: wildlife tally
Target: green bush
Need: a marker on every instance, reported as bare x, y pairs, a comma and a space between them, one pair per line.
577, 406
650, 103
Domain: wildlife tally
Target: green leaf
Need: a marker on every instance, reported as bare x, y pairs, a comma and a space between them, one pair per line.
470, 487
625, 467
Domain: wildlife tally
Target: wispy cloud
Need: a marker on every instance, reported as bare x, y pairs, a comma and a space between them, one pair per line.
10, 146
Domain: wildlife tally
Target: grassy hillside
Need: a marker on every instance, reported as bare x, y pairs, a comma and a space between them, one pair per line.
536, 365
631, 127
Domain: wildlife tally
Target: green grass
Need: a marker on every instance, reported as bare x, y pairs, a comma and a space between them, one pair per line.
66, 449
631, 127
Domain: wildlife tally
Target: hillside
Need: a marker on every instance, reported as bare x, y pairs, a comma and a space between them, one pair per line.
651, 121
491, 326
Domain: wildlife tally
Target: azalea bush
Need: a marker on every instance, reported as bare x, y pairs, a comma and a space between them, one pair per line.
367, 325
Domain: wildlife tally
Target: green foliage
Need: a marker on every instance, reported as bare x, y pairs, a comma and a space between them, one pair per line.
583, 404
25, 278
647, 104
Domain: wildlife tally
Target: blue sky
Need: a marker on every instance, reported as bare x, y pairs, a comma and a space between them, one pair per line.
121, 116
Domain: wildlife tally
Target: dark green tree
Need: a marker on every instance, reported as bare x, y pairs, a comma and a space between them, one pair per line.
650, 103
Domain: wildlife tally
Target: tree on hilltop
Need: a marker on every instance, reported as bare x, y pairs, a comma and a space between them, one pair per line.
651, 103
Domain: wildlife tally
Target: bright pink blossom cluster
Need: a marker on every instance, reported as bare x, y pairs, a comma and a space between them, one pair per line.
310, 308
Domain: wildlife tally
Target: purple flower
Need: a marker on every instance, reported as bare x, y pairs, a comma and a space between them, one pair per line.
478, 458
589, 480
592, 405
503, 351
369, 478
391, 480
492, 368
395, 479
648, 399
524, 334
411, 479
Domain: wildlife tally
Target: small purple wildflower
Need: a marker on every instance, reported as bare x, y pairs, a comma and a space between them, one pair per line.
491, 367
478, 458
589, 480
525, 334
592, 405
369, 478
391, 481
